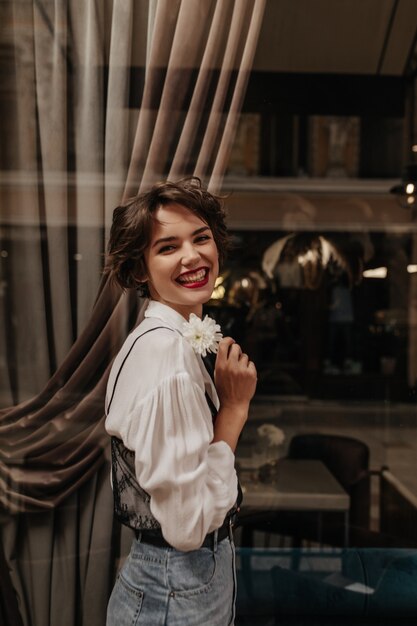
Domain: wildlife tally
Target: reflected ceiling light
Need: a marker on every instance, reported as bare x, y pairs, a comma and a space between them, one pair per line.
405, 192
411, 269
307, 257
218, 293
219, 290
376, 272
414, 148
305, 247
313, 252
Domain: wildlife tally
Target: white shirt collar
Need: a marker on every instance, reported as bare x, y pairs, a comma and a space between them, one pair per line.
166, 314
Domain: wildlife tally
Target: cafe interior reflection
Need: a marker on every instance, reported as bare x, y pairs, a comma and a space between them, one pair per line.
325, 315
321, 314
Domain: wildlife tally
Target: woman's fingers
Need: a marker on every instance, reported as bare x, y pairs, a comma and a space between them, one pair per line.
230, 351
244, 359
230, 357
252, 369
235, 351
224, 347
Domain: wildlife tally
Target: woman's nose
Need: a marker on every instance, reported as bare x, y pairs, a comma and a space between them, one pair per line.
190, 255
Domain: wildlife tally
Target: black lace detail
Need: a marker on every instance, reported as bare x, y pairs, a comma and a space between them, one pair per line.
131, 502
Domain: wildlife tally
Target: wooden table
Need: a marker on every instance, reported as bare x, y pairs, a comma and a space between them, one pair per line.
298, 485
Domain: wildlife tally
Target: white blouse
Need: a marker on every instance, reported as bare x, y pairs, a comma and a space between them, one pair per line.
160, 412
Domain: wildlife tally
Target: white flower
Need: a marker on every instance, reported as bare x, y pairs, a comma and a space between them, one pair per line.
203, 335
274, 434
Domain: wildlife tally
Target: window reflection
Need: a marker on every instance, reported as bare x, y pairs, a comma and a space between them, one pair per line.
88, 113
321, 317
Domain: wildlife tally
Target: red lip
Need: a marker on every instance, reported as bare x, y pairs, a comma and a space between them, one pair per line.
196, 284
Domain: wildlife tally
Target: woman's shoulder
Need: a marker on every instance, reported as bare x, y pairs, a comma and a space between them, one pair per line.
153, 331
157, 351
151, 340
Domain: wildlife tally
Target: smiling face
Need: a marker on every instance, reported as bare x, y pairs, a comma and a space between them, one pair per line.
181, 260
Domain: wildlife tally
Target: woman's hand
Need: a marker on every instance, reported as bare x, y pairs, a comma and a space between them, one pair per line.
235, 378
234, 375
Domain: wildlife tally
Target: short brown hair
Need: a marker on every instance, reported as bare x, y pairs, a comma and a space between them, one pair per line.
131, 230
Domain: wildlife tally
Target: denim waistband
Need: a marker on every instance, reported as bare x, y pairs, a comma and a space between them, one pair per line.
155, 537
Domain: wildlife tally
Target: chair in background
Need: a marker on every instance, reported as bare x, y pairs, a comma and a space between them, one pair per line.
347, 459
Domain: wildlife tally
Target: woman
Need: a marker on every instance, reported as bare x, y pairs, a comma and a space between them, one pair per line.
173, 432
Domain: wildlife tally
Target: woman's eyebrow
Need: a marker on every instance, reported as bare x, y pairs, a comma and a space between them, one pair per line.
164, 240
200, 230
173, 238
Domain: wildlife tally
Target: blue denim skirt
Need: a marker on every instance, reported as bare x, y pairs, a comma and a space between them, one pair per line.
164, 587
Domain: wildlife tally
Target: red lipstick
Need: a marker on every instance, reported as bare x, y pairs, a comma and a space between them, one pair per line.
194, 278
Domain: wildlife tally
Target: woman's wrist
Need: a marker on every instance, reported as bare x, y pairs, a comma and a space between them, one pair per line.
229, 424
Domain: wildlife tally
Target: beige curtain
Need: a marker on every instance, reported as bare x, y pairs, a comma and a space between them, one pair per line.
104, 98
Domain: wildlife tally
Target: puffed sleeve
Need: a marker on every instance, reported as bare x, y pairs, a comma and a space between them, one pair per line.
192, 482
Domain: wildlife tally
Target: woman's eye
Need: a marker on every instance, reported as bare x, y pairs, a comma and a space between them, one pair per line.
166, 249
202, 238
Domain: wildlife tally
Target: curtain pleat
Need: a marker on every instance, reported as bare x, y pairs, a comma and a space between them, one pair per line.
27, 249
87, 24
117, 129
164, 21
216, 116
197, 106
50, 42
51, 443
185, 55
226, 142
75, 66
61, 560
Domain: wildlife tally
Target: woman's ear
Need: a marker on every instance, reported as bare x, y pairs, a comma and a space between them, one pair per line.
140, 282
141, 275
142, 287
